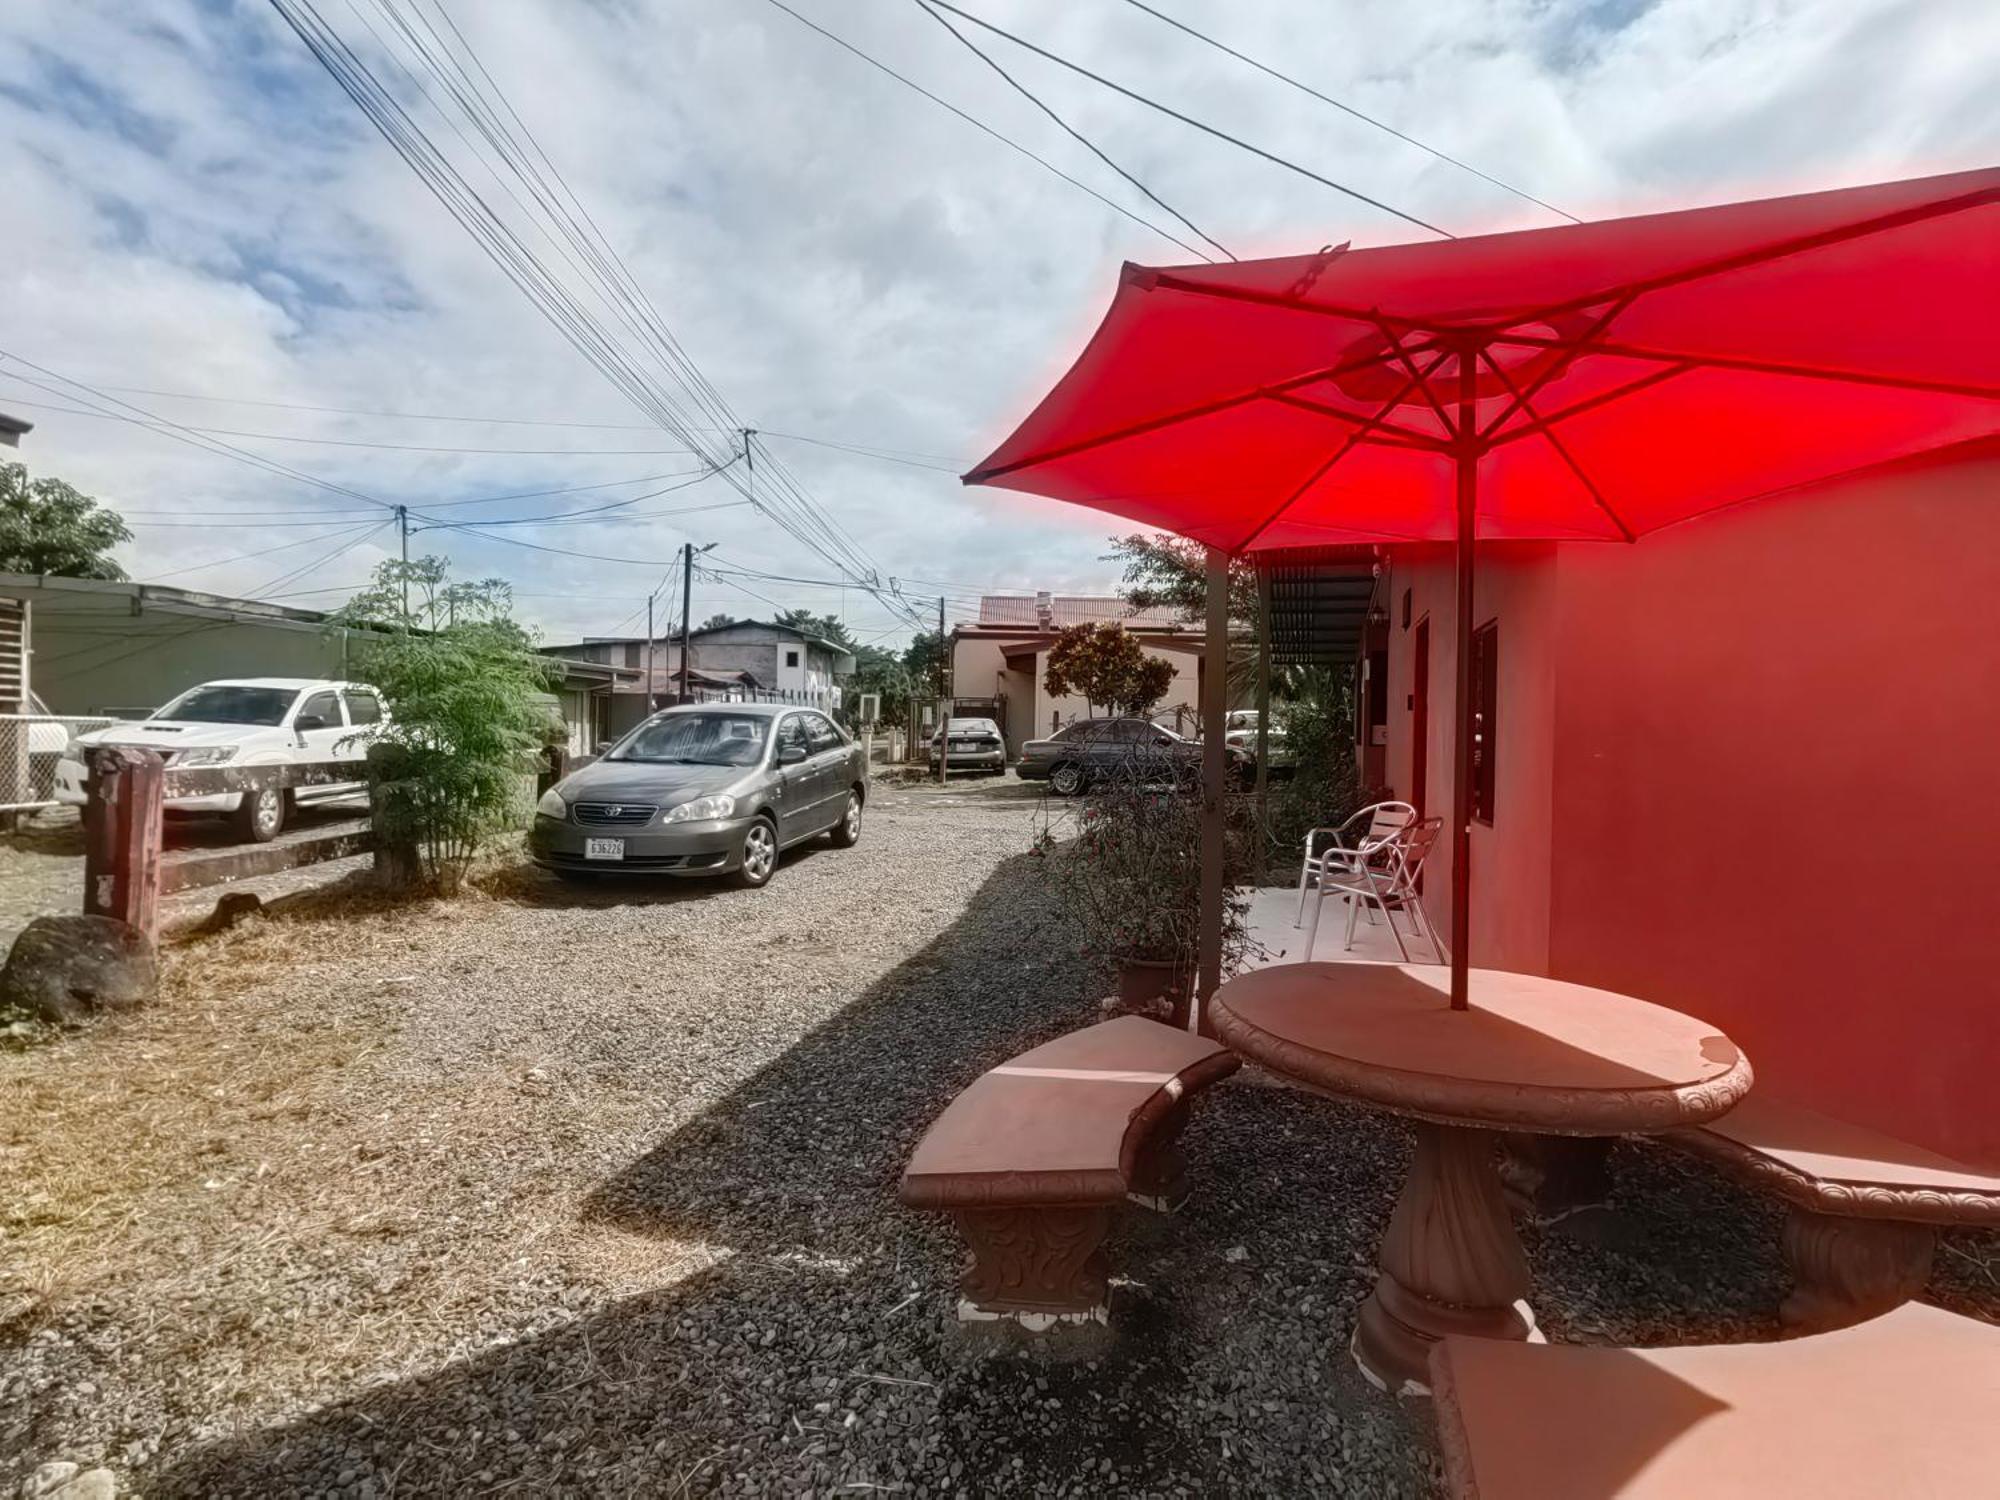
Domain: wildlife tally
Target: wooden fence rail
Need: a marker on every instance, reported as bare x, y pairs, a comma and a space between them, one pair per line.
124, 871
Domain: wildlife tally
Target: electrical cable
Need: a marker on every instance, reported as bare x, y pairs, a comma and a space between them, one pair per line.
1349, 109
1070, 130
1185, 119
986, 129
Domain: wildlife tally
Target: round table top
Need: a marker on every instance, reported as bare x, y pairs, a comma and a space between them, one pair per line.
1530, 1054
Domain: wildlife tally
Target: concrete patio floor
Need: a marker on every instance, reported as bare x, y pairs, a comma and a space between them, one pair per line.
1272, 909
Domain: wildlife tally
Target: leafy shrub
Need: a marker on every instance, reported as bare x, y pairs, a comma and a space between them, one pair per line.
467, 710
1325, 785
1125, 861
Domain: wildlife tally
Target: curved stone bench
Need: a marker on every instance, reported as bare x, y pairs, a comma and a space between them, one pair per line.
1031, 1160
1864, 1208
1892, 1409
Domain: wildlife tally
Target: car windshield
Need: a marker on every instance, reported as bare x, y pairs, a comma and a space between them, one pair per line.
699, 739
974, 726
229, 703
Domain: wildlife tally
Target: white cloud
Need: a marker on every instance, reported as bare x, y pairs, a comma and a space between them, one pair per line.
192, 205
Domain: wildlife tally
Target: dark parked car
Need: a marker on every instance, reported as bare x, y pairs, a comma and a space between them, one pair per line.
1093, 749
706, 789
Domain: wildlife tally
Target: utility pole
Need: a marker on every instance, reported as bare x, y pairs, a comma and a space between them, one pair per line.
651, 702
687, 599
944, 708
403, 526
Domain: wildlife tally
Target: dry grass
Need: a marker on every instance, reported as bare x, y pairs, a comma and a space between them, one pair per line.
254, 1180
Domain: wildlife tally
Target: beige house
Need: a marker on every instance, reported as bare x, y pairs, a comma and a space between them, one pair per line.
998, 660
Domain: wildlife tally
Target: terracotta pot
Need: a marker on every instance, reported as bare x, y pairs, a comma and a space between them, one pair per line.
1157, 987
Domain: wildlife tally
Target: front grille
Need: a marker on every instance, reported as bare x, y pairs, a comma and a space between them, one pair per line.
614, 814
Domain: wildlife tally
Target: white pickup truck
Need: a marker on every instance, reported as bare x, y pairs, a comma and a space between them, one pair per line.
249, 721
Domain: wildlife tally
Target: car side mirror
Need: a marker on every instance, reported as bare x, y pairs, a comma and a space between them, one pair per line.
791, 755
309, 721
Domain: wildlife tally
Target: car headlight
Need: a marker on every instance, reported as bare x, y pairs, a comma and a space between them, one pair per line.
552, 805
702, 810
206, 755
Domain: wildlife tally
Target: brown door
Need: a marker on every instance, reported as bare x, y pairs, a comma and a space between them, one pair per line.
1420, 717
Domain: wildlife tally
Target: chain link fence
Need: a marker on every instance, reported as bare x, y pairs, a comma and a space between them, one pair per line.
30, 746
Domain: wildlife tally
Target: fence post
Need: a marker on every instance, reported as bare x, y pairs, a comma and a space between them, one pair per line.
123, 796
398, 866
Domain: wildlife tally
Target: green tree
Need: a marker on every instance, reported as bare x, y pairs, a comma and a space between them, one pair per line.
47, 526
1171, 572
826, 627
716, 621
467, 697
1108, 668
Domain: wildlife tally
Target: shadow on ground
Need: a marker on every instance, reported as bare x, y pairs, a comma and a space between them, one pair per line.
815, 1349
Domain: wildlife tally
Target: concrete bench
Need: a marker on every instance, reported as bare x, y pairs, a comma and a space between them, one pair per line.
1864, 1208
1902, 1406
1034, 1156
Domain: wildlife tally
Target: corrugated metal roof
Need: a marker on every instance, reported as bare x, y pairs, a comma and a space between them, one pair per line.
1059, 611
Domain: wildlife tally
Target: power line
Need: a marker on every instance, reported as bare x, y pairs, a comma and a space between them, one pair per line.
1070, 130
986, 129
871, 450
1221, 135
685, 404
329, 442
304, 541
1349, 109
341, 551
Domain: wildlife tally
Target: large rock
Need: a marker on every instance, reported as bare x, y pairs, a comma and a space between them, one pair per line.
65, 969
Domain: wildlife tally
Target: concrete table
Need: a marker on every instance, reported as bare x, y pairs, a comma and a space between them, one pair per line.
1532, 1054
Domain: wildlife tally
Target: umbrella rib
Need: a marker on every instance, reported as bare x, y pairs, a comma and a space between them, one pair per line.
1414, 438
1758, 366
1354, 441
1344, 313
1562, 451
1818, 240
1590, 403
1451, 427
1557, 366
1186, 414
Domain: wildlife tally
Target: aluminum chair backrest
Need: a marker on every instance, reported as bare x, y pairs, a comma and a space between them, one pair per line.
1385, 821
1413, 847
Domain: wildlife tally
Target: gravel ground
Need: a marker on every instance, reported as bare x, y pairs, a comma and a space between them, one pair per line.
592, 1192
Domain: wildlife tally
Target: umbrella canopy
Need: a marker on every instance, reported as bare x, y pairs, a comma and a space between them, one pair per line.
1590, 382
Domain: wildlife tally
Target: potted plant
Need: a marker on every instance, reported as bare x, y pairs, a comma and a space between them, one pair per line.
1126, 863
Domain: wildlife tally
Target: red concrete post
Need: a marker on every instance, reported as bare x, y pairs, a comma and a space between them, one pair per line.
124, 793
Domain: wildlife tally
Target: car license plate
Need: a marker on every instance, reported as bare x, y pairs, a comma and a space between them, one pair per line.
604, 848
965, 744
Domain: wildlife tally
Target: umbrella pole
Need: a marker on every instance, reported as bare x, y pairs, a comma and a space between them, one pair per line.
1461, 761
1214, 772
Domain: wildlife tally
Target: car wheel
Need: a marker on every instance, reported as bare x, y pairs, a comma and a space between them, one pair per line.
260, 816
760, 855
1066, 781
847, 832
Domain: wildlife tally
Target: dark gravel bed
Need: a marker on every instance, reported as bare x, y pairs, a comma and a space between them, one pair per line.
809, 1347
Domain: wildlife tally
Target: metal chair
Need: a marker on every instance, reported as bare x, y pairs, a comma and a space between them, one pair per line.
1367, 832
1384, 878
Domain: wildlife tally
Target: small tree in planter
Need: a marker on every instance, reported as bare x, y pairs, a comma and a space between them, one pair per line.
1126, 863
465, 689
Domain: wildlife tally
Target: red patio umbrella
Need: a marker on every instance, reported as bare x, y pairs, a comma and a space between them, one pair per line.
1586, 383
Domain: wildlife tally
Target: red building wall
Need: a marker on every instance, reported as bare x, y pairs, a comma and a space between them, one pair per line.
1769, 739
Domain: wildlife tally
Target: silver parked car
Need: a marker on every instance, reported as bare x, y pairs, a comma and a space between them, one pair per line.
976, 745
706, 789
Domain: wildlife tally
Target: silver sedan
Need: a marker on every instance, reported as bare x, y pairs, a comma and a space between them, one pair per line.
707, 789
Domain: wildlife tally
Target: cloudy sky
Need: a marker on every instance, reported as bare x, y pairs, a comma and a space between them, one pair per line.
200, 224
